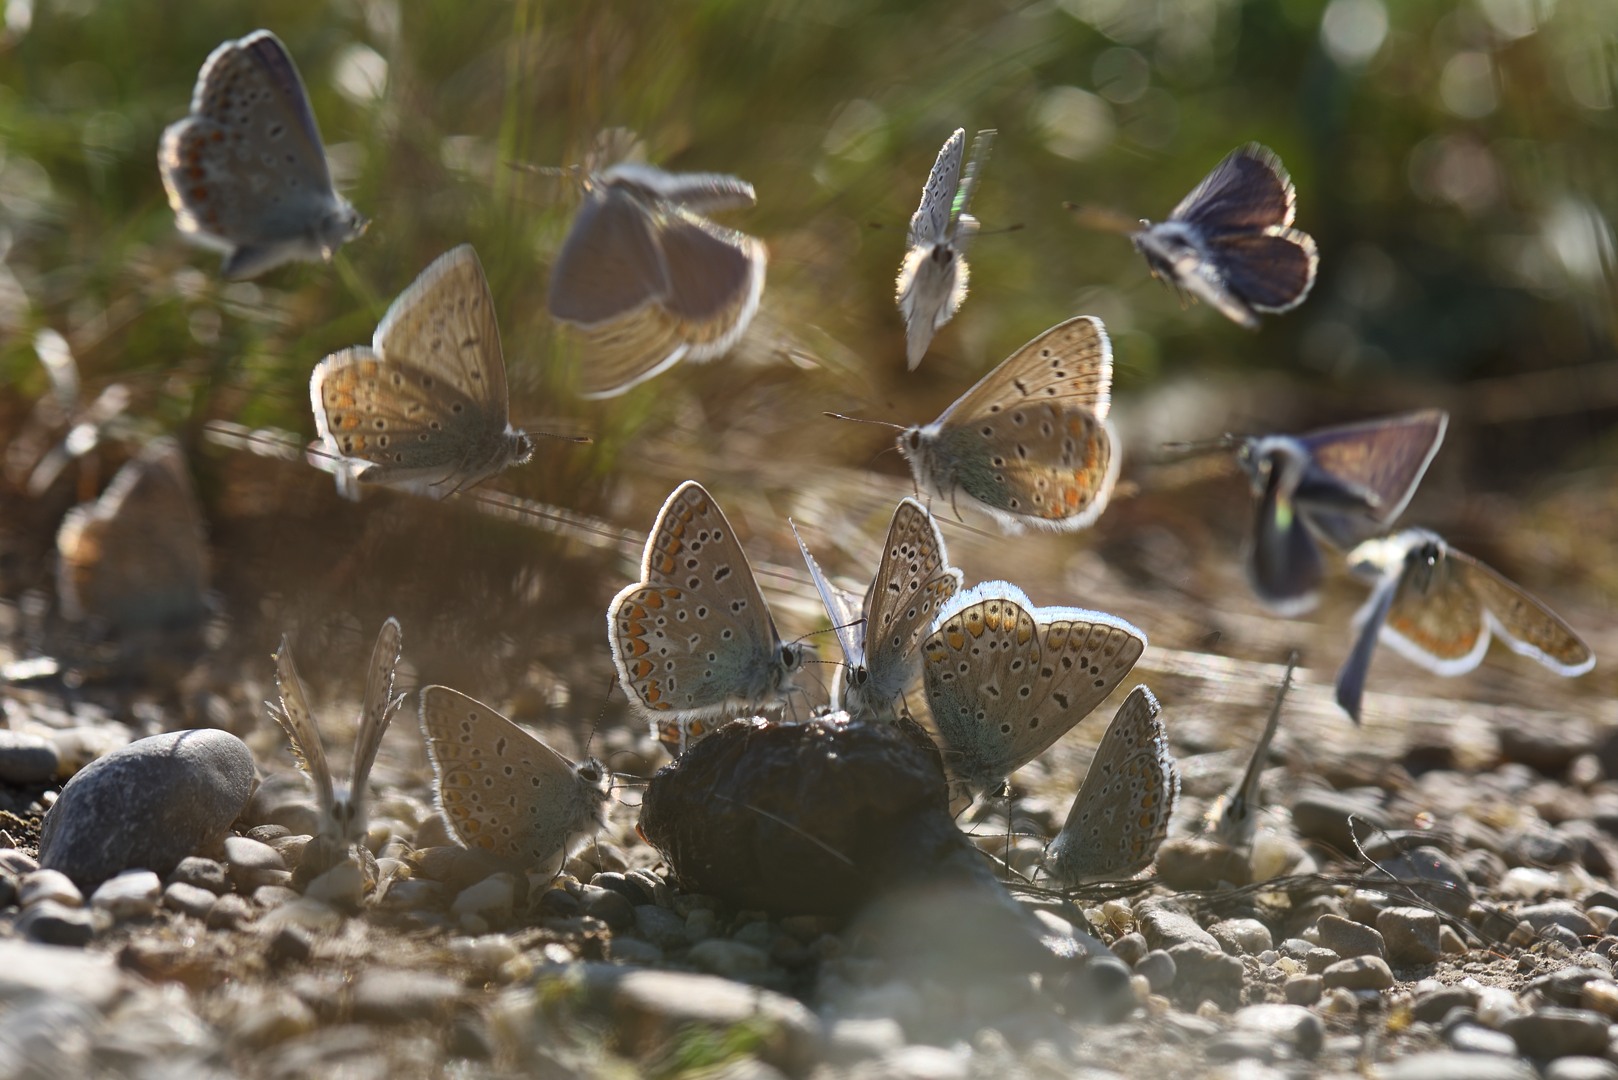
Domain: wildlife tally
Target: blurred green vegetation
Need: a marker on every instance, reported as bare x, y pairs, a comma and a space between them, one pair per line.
1457, 161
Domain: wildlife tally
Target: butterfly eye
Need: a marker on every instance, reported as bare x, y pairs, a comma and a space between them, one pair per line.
912, 439
590, 772
789, 657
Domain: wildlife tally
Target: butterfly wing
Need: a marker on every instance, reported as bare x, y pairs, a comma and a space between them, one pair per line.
1271, 271
1237, 818
913, 583
930, 223
500, 789
610, 264
1003, 686
1035, 463
1386, 458
932, 284
299, 724
1436, 619
379, 705
847, 621
1368, 623
628, 351
716, 278
137, 558
1284, 564
1070, 365
701, 193
965, 224
1249, 191
1121, 814
694, 637
1526, 625
444, 326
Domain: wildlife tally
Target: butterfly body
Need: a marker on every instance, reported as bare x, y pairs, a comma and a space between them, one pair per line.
1121, 814
1439, 607
693, 639
934, 275
246, 172
503, 791
1004, 680
1230, 242
644, 281
426, 406
1030, 443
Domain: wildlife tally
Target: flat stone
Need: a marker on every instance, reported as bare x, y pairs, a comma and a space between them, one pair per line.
133, 894
1158, 968
487, 904
1477, 1039
856, 1039
147, 805
731, 959
51, 923
660, 926
27, 760
17, 863
1303, 989
608, 905
1556, 1032
398, 996
1359, 973
1452, 1065
51, 885
1241, 1046
1558, 913
209, 874
1538, 847
31, 971
1207, 975
230, 912
1431, 1006
1347, 938
1165, 927
1200, 862
1130, 948
1322, 815
1410, 934
244, 853
1293, 1025
1317, 960
1432, 875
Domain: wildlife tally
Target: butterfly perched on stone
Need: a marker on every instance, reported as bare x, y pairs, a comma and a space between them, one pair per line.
878, 632
934, 276
424, 408
1439, 607
343, 809
1233, 819
1030, 443
693, 639
502, 790
1229, 243
1121, 814
644, 280
246, 171
1342, 483
1004, 679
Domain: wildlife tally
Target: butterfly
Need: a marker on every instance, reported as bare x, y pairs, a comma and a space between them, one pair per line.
503, 791
1231, 244
134, 562
1004, 680
343, 816
1030, 442
1233, 819
934, 275
1438, 606
693, 638
1121, 814
644, 280
425, 406
246, 171
1342, 483
878, 633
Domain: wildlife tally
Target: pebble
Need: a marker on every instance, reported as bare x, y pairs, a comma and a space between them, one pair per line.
1347, 938
32, 971
1558, 913
1165, 927
1433, 1005
1451, 941
660, 926
1241, 1046
51, 885
343, 886
1450, 890
1600, 995
1557, 1032
133, 894
1200, 862
1359, 973
1581, 1068
1242, 936
731, 959
27, 760
628, 950
1130, 948
1293, 1025
854, 1039
1472, 1038
1317, 960
1548, 748
399, 996
147, 805
1158, 969
1538, 847
1410, 934
230, 912
209, 874
51, 923
1303, 989
1451, 1065
486, 905
1207, 975
190, 900
1322, 815
612, 908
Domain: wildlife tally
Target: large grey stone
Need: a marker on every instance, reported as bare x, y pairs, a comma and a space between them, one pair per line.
147, 805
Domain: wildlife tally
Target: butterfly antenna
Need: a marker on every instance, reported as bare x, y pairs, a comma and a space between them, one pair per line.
1101, 219
863, 420
1180, 451
785, 824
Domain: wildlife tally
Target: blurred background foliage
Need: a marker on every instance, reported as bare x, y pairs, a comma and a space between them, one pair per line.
1457, 160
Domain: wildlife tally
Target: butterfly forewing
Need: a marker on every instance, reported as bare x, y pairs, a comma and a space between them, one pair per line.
1121, 814
913, 582
500, 789
1069, 364
1435, 619
299, 724
1236, 818
444, 325
843, 610
1248, 191
930, 223
379, 705
1385, 458
611, 264
1528, 626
